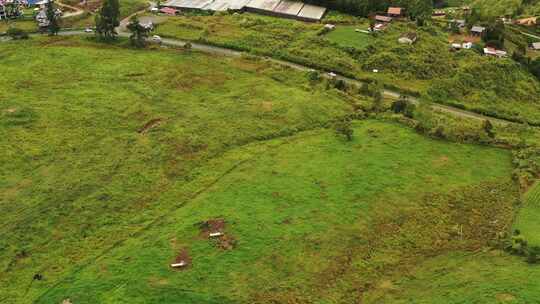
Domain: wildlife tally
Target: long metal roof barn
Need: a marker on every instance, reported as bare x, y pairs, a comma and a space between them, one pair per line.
284, 8
311, 12
263, 5
289, 8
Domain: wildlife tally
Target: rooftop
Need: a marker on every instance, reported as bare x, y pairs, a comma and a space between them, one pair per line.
394, 10
289, 7
312, 12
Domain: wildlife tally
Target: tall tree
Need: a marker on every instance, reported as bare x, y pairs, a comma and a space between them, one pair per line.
108, 19
139, 33
52, 18
420, 10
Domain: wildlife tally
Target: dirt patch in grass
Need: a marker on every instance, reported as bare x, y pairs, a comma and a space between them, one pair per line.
150, 125
266, 106
184, 258
441, 161
214, 229
505, 297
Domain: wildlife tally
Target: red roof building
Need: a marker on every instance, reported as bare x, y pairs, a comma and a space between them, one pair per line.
394, 11
169, 11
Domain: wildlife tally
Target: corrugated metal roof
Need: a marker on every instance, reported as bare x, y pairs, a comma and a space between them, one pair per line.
289, 8
265, 5
218, 5
312, 12
478, 29
394, 10
193, 4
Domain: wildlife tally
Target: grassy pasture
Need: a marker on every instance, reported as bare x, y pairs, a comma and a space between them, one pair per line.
108, 168
527, 220
310, 211
87, 153
346, 36
27, 25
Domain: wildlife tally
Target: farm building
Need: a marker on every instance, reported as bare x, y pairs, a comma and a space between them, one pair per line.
526, 21
395, 12
188, 4
262, 6
311, 13
169, 11
536, 46
381, 18
279, 8
289, 8
488, 51
478, 30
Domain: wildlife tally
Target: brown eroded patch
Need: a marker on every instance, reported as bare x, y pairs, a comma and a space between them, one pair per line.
157, 281
505, 297
387, 285
266, 106
213, 226
182, 257
149, 125
441, 161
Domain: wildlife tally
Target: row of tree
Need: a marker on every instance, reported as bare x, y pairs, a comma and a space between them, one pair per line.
106, 20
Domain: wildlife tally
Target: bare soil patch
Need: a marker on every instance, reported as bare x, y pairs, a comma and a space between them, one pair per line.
184, 258
214, 229
505, 297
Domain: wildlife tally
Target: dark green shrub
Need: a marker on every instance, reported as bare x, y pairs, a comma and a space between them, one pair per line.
344, 127
533, 255
17, 33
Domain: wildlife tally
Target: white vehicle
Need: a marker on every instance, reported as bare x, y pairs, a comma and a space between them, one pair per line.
156, 38
88, 30
332, 74
154, 10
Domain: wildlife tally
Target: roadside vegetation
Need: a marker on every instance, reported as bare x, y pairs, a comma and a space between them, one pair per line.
429, 68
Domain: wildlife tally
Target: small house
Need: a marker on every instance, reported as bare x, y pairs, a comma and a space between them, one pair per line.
408, 38
467, 45
531, 21
489, 51
395, 12
478, 31
439, 13
169, 11
459, 23
384, 19
329, 27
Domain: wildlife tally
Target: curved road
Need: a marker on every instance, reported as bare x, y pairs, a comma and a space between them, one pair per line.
76, 11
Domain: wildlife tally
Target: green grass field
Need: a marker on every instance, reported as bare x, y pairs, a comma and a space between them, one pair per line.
108, 170
527, 220
346, 36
